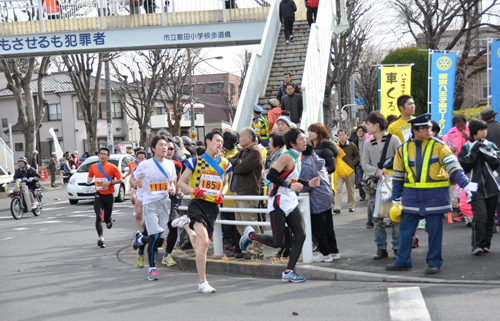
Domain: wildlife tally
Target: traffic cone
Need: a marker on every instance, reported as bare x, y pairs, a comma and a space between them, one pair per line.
42, 178
46, 174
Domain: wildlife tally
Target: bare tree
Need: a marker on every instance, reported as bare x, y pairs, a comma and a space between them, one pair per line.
19, 77
346, 51
366, 77
178, 85
427, 22
229, 108
243, 62
149, 72
80, 68
58, 63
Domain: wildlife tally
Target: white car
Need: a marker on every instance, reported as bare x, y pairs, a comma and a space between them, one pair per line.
78, 189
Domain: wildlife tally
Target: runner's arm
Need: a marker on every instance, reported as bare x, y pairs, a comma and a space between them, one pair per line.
226, 185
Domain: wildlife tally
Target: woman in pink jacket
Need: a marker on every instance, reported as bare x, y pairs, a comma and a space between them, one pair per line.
458, 135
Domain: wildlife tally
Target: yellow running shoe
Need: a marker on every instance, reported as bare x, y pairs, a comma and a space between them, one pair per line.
140, 261
168, 261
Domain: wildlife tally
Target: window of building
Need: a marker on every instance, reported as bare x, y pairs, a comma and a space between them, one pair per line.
19, 147
233, 89
161, 111
5, 122
55, 112
211, 89
484, 86
116, 110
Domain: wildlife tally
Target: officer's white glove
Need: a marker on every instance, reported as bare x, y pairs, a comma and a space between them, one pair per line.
30, 179
396, 202
471, 187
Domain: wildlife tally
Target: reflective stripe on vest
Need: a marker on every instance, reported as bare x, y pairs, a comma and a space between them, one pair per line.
425, 168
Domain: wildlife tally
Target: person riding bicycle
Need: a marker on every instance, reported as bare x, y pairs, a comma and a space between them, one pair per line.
28, 173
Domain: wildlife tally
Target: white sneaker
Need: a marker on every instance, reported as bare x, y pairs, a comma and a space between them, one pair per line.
205, 288
322, 258
287, 42
335, 256
181, 221
33, 206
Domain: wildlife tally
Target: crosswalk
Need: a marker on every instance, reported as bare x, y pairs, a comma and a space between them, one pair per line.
407, 304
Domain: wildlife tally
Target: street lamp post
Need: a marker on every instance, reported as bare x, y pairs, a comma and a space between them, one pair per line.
191, 88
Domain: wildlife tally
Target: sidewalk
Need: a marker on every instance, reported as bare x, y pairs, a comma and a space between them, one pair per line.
356, 248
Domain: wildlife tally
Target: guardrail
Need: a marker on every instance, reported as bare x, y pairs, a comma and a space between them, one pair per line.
307, 248
7, 156
259, 68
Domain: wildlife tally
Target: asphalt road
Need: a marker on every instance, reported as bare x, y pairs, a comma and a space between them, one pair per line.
52, 269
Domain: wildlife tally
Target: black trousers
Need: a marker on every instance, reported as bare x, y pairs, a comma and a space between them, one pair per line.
484, 220
278, 220
322, 230
102, 202
311, 15
288, 24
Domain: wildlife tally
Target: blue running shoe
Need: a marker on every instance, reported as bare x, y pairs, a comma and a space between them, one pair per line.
245, 238
135, 243
292, 277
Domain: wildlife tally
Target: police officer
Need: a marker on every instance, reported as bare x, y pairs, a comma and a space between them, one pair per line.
261, 125
422, 166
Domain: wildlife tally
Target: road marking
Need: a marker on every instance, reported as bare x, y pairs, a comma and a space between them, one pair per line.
46, 222
407, 303
20, 228
7, 238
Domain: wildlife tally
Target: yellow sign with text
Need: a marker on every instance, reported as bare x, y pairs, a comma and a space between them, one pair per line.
394, 82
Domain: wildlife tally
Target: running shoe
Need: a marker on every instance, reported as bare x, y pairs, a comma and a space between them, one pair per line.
135, 242
140, 261
153, 275
421, 224
204, 287
109, 225
415, 241
245, 238
468, 221
181, 221
168, 261
459, 218
486, 250
477, 251
292, 277
323, 258
291, 37
287, 42
335, 256
100, 242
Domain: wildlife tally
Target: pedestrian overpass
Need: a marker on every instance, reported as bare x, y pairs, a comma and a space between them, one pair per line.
84, 26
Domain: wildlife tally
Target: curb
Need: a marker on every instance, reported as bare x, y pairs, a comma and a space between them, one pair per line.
311, 272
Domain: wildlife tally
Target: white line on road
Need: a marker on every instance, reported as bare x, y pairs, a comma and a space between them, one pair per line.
46, 222
7, 238
407, 303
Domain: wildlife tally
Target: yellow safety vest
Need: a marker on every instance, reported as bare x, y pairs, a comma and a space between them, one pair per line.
425, 168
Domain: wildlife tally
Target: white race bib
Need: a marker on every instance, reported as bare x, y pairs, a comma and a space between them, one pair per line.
212, 184
406, 134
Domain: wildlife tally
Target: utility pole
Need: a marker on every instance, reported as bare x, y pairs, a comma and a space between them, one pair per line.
191, 92
107, 80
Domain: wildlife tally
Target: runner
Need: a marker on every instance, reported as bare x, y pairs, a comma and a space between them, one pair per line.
157, 182
105, 176
174, 211
283, 205
137, 201
207, 186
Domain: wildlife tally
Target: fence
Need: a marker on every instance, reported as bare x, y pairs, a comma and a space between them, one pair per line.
6, 156
31, 16
307, 248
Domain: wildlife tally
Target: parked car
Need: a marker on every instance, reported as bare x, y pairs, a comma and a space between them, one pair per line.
78, 189
84, 157
5, 177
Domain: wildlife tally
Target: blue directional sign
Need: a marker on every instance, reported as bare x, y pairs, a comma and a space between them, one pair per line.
360, 101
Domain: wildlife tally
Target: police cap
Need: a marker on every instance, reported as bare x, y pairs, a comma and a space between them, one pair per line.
258, 109
423, 120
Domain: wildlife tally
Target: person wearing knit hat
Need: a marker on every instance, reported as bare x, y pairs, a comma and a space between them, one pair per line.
283, 124
274, 113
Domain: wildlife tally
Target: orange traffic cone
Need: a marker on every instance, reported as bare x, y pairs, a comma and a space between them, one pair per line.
42, 178
46, 174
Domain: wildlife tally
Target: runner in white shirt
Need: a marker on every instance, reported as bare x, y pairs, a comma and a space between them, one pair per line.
157, 179
140, 157
283, 205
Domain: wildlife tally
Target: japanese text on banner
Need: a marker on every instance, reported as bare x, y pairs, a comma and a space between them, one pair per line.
393, 82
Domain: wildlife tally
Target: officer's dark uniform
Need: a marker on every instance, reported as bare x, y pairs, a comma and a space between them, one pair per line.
420, 176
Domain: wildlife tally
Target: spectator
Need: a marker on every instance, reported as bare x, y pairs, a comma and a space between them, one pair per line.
287, 18
283, 124
401, 127
479, 159
149, 6
358, 170
260, 125
458, 135
274, 113
134, 7
52, 167
292, 103
391, 119
287, 79
372, 162
247, 173
231, 4
435, 129
312, 10
493, 135
182, 148
351, 158
323, 147
52, 9
165, 8
34, 162
76, 159
321, 199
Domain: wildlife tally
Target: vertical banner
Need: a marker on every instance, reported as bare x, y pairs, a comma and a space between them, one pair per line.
57, 147
394, 81
443, 67
495, 75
